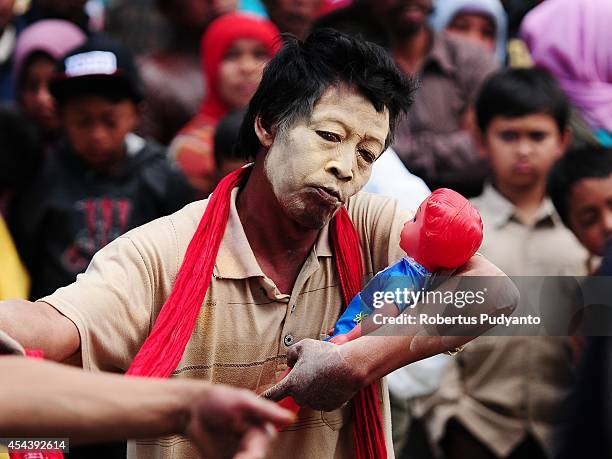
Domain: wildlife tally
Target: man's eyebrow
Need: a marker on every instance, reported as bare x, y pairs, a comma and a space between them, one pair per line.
347, 128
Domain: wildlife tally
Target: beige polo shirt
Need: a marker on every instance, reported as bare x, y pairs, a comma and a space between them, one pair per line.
504, 388
245, 325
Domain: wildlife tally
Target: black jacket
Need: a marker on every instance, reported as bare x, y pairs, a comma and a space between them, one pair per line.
70, 211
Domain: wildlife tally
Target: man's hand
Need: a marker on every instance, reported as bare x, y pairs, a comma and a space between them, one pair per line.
234, 423
326, 376
44, 399
322, 377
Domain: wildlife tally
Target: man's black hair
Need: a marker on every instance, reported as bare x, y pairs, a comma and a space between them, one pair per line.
515, 93
226, 136
21, 152
574, 166
296, 78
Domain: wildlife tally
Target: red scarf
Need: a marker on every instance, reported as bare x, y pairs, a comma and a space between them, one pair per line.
164, 347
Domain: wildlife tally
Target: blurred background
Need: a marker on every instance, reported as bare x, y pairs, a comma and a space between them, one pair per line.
513, 110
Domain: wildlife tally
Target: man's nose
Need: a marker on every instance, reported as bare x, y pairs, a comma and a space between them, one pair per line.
342, 165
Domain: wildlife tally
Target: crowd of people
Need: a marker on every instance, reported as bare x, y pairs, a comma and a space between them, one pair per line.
118, 114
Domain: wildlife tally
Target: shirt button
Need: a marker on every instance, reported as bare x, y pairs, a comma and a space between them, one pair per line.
292, 309
288, 340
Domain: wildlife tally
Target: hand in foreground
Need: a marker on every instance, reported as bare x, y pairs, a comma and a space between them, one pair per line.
234, 423
322, 377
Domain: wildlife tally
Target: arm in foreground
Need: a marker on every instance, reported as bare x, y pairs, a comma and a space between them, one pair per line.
326, 376
41, 398
38, 325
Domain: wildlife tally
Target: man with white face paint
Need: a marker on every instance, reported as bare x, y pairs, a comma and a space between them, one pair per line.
320, 162
260, 282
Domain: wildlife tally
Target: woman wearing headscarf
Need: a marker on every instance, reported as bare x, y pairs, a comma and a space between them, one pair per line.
37, 50
234, 48
480, 21
571, 39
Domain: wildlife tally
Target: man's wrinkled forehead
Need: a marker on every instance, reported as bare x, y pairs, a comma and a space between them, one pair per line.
347, 106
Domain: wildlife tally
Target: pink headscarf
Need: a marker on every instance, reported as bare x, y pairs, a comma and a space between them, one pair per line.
54, 37
572, 39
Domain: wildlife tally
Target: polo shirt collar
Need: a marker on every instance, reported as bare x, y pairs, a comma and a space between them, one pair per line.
502, 210
236, 260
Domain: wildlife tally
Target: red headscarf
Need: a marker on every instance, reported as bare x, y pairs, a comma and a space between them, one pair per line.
217, 39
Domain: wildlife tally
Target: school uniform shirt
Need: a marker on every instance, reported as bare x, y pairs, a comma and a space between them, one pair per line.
71, 211
502, 389
245, 325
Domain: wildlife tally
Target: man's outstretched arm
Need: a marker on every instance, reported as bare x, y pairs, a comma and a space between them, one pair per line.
37, 325
325, 375
47, 399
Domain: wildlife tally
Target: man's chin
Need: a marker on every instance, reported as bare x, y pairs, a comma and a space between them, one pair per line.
313, 220
313, 223
309, 211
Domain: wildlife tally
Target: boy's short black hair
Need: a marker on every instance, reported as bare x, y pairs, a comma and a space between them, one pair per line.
574, 166
301, 72
226, 136
514, 93
100, 67
21, 153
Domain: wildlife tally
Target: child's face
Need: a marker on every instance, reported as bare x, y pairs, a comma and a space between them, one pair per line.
523, 150
96, 128
34, 97
241, 70
478, 28
590, 212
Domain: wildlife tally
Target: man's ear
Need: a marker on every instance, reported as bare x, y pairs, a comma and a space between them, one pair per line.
265, 137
